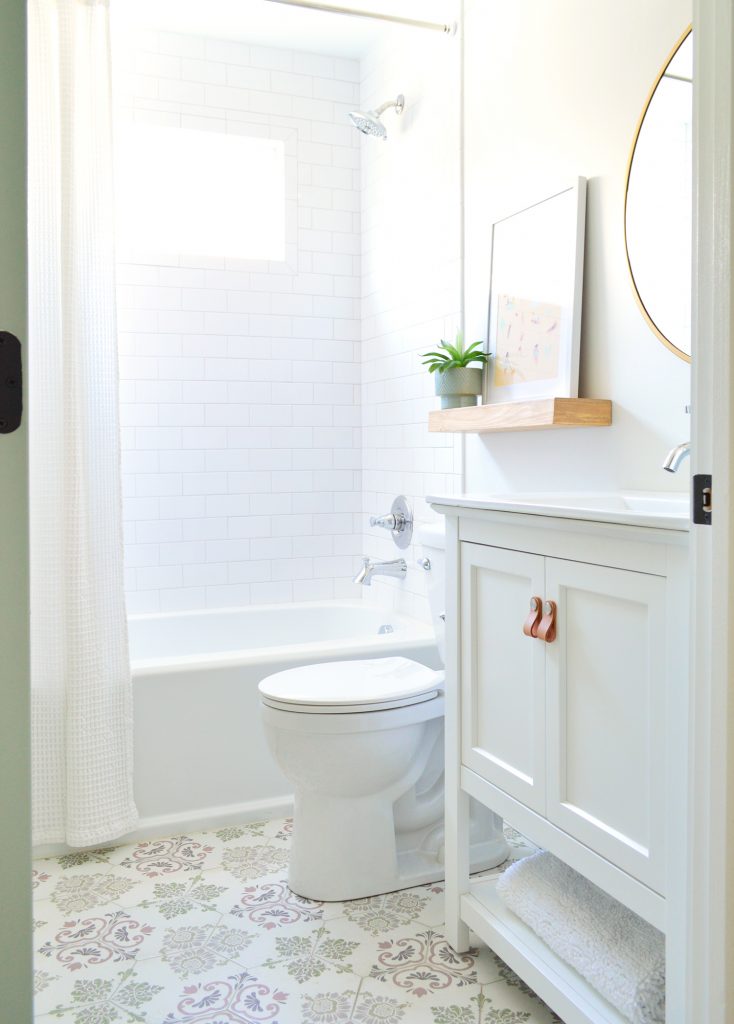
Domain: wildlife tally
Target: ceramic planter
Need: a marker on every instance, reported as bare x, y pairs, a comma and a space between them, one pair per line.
459, 386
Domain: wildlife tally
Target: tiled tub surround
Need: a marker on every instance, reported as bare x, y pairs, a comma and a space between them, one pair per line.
240, 396
203, 927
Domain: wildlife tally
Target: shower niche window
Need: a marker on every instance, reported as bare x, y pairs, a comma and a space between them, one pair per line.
201, 193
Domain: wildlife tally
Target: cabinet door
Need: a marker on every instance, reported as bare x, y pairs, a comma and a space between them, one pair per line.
502, 671
606, 713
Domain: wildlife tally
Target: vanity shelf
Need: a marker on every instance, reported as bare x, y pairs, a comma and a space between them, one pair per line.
550, 977
539, 414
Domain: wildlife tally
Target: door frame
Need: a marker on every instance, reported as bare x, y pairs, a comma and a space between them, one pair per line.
16, 977
710, 885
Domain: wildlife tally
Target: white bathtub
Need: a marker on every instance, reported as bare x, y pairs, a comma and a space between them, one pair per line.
200, 754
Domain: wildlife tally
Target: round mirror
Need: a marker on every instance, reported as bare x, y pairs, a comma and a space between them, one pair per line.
658, 202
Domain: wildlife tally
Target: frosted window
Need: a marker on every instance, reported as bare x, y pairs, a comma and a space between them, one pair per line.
200, 193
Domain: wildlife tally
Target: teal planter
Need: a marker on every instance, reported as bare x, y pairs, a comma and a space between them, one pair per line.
459, 387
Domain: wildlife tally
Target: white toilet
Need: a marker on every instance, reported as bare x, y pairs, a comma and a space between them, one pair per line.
362, 744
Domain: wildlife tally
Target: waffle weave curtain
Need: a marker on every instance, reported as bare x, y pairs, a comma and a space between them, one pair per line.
80, 665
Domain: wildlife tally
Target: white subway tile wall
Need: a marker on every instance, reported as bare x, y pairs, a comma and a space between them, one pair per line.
411, 289
240, 380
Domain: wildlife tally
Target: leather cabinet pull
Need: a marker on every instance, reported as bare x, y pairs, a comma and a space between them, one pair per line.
547, 628
530, 626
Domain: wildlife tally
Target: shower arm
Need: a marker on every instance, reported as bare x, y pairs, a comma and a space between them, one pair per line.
353, 12
399, 103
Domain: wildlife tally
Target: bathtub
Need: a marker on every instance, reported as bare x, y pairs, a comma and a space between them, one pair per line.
201, 759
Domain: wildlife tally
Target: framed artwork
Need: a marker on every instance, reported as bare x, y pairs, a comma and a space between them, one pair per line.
534, 327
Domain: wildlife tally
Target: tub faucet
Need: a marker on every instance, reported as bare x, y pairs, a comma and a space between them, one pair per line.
675, 456
397, 567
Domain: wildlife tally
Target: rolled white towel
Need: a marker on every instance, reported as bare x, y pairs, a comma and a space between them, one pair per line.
619, 954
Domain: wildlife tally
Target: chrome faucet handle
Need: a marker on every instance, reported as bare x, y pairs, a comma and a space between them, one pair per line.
399, 521
389, 521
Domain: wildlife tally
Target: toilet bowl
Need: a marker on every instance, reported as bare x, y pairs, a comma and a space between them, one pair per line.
362, 744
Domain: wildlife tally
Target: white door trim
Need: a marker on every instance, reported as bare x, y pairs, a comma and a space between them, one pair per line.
710, 886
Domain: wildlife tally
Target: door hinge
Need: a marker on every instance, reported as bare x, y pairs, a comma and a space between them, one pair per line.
11, 383
702, 499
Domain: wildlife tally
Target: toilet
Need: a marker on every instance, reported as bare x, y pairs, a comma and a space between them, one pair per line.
362, 744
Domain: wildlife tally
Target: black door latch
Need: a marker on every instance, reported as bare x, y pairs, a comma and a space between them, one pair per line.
11, 383
702, 499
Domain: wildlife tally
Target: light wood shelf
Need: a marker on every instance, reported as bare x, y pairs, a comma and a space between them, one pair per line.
538, 414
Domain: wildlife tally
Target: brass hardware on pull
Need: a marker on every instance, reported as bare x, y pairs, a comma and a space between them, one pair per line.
530, 626
547, 627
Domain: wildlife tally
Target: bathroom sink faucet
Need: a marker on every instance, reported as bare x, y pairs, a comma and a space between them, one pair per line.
397, 567
675, 456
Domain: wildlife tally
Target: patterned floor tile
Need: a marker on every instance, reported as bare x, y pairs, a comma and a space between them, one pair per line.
166, 858
203, 928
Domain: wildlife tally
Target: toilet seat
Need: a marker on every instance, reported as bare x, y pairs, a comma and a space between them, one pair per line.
346, 687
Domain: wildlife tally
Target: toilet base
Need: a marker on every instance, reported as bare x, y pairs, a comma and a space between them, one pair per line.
376, 860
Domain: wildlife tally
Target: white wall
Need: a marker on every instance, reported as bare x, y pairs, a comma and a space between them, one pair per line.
240, 396
411, 287
554, 91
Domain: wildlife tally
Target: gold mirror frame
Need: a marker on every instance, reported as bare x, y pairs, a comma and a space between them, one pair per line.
643, 308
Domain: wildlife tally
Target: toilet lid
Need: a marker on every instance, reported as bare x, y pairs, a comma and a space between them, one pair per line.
374, 682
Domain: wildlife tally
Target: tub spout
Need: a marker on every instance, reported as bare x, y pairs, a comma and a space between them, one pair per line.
398, 567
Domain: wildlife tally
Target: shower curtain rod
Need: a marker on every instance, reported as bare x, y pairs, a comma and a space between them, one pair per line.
312, 5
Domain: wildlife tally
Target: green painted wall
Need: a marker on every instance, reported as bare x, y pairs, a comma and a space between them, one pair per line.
15, 888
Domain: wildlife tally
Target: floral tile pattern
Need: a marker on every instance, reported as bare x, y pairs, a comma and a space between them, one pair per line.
203, 929
102, 1001
273, 905
164, 857
91, 941
84, 892
248, 862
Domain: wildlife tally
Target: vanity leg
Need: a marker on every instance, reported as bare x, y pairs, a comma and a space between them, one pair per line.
457, 866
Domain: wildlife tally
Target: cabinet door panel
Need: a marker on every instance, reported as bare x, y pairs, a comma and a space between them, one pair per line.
502, 671
605, 678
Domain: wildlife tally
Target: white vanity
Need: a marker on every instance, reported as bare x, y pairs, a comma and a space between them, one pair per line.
570, 721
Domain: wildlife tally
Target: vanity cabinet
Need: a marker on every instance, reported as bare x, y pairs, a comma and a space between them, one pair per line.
578, 740
571, 728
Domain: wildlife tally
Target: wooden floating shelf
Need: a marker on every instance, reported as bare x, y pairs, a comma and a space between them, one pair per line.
538, 414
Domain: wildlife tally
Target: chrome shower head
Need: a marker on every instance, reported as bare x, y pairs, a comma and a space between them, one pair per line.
369, 123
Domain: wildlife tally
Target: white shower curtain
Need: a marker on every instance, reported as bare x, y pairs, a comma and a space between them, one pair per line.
80, 666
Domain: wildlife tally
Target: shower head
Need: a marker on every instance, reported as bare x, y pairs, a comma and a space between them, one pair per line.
369, 123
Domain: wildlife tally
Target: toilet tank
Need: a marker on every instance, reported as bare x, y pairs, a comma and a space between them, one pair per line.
432, 542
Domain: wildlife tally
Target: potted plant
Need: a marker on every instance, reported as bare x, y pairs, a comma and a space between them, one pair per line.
457, 382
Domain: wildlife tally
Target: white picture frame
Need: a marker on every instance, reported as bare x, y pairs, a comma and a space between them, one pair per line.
536, 281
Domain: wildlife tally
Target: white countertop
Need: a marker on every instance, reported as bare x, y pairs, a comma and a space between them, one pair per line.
652, 509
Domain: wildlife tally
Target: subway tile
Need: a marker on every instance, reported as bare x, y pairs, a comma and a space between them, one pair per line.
183, 552
222, 505
314, 64
250, 526
186, 599
181, 92
228, 596
205, 529
204, 483
248, 482
225, 51
272, 593
185, 415
158, 484
158, 577
158, 531
183, 507
228, 550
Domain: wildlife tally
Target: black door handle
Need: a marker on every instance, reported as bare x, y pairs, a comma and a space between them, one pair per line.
11, 383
